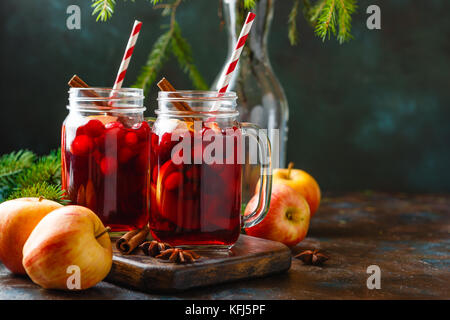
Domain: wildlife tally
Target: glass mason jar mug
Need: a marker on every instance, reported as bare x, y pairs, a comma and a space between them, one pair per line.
105, 155
196, 170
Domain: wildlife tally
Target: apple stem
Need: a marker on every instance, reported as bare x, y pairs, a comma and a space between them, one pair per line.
107, 229
290, 166
41, 198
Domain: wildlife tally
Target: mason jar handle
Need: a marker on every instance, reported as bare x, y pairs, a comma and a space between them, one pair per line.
265, 186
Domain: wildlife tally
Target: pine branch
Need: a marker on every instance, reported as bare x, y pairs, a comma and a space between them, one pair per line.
307, 10
46, 169
182, 51
103, 8
11, 165
249, 4
155, 61
292, 22
346, 9
326, 22
173, 41
315, 11
20, 173
328, 16
41, 189
155, 2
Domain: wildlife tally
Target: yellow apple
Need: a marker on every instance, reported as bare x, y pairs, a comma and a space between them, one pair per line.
18, 218
302, 182
69, 238
287, 220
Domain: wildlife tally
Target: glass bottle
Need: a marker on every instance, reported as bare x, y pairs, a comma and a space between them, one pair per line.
261, 98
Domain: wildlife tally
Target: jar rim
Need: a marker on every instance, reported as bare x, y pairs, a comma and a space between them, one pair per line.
105, 93
105, 89
196, 95
106, 99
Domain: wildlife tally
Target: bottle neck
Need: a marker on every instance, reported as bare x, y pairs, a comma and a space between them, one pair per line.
234, 15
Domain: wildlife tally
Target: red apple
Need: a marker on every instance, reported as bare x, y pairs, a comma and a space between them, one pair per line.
18, 218
67, 237
302, 182
287, 220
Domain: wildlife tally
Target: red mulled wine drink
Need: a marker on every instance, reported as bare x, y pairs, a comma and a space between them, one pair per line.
196, 172
105, 156
194, 203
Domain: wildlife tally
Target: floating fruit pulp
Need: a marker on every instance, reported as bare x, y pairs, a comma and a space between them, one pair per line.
194, 204
105, 167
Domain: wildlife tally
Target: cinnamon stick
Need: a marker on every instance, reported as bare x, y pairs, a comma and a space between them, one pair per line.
76, 82
131, 240
165, 85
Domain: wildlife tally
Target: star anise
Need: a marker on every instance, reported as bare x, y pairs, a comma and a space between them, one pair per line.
154, 248
177, 255
312, 257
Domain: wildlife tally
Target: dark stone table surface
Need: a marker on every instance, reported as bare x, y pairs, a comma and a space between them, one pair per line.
406, 235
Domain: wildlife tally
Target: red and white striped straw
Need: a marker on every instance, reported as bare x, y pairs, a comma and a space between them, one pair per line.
226, 77
127, 56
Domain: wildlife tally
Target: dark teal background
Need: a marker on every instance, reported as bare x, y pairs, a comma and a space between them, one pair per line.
370, 114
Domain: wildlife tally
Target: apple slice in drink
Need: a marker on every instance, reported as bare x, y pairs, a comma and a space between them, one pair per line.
104, 119
164, 171
81, 196
153, 205
214, 126
91, 198
170, 200
166, 200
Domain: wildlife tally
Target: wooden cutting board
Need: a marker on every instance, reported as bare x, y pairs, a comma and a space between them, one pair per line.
251, 257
